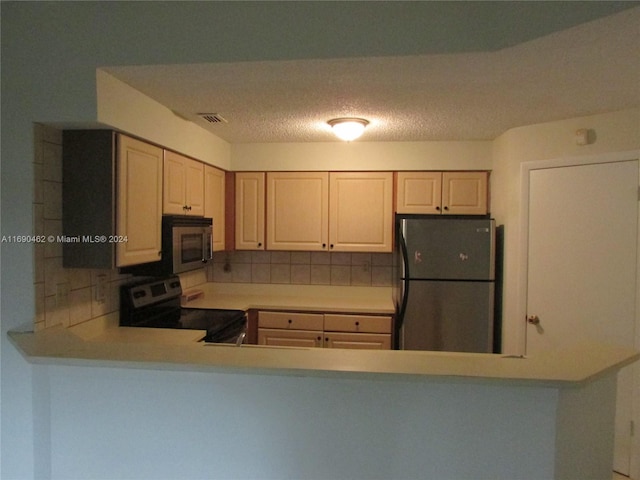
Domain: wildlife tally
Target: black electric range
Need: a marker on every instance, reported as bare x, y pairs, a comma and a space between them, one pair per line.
155, 303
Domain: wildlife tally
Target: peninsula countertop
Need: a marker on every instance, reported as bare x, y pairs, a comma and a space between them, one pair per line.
109, 345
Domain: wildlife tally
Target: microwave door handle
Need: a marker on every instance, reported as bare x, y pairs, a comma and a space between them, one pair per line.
207, 247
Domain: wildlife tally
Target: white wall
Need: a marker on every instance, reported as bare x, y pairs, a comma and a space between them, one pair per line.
337, 156
612, 132
126, 424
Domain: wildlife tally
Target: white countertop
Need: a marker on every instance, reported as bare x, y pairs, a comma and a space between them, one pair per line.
107, 345
320, 298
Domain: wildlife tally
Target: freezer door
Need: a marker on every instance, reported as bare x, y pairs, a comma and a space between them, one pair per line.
454, 249
448, 316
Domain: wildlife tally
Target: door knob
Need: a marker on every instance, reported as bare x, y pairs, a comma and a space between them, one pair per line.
533, 320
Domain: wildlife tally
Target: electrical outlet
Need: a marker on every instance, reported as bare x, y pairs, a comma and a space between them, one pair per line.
101, 288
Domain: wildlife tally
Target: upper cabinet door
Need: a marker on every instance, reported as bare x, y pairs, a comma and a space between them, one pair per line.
183, 185
195, 187
464, 193
250, 213
419, 192
139, 197
361, 211
446, 193
297, 211
214, 204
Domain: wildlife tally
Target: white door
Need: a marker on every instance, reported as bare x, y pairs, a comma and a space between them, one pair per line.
582, 266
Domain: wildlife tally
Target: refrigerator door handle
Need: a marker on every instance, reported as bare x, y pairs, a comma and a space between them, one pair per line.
404, 282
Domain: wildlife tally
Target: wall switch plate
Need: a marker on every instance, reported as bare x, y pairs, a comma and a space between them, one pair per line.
101, 288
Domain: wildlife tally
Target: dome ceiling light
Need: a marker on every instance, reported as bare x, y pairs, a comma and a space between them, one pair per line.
348, 129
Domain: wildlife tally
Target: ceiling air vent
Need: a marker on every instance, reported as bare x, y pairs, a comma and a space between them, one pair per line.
212, 118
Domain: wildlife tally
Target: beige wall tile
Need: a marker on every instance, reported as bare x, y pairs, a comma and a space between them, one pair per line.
38, 263
320, 275
38, 185
320, 258
79, 305
261, 273
54, 274
300, 258
54, 313
79, 277
52, 192
301, 274
52, 161
361, 275
340, 274
381, 276
241, 273
260, 257
280, 273
340, 258
281, 257
39, 299
52, 228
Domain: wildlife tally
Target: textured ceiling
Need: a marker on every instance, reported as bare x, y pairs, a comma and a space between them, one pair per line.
590, 68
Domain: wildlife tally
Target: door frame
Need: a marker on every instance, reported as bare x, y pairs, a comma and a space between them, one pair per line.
525, 170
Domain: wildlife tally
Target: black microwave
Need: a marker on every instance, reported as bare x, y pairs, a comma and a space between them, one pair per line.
186, 245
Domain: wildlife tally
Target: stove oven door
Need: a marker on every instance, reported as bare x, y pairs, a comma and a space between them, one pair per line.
221, 326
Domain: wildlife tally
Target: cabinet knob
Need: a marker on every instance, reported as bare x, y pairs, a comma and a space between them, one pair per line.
331, 246
290, 321
259, 244
446, 208
324, 245
438, 208
357, 324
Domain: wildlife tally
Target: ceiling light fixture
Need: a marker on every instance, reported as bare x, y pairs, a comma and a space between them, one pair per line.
348, 129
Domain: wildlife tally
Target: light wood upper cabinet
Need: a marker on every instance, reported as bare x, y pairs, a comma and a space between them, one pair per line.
446, 193
297, 210
183, 185
139, 200
250, 211
360, 211
464, 193
214, 204
419, 192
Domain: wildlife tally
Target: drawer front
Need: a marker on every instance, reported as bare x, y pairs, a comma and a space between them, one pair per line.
364, 341
357, 323
291, 321
277, 337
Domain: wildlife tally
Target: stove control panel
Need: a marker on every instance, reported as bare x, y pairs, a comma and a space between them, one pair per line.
154, 291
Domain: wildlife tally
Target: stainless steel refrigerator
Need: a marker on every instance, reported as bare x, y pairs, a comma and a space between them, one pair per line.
445, 284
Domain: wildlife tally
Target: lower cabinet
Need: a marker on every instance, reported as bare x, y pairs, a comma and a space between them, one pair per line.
293, 329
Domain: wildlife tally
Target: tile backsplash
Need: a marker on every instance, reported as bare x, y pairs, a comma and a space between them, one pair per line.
69, 296
303, 268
